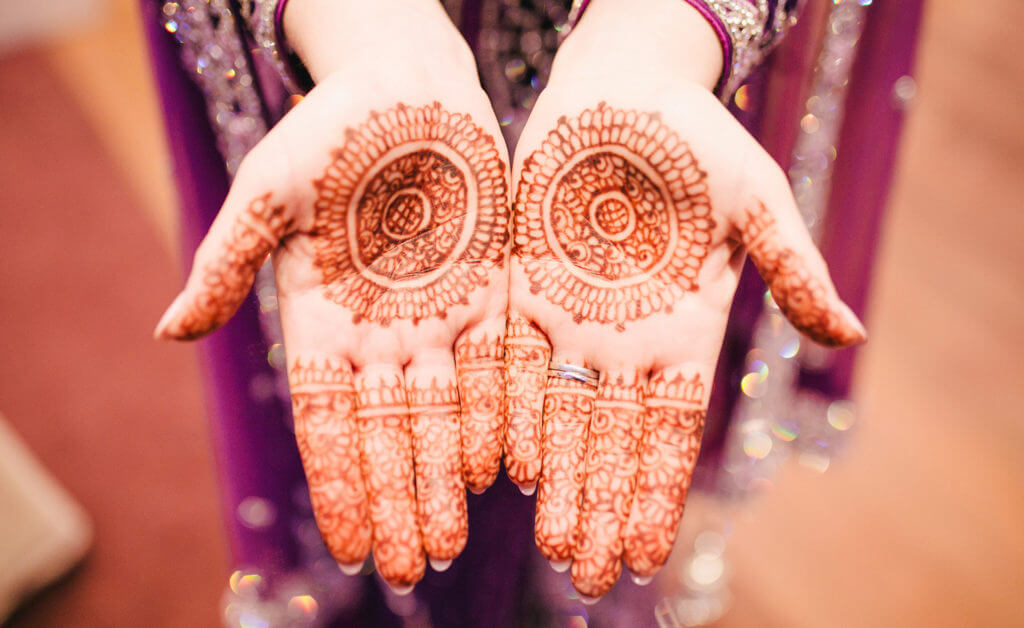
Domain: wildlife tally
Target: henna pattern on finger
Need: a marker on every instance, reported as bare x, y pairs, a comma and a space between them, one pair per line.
804, 299
527, 357
567, 408
324, 407
611, 471
613, 217
385, 441
673, 426
226, 280
411, 214
440, 489
480, 374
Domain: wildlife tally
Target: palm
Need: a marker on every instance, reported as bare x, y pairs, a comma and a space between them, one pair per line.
627, 237
389, 228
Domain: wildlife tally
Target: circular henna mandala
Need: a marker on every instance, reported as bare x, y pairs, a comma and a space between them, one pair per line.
619, 200
414, 198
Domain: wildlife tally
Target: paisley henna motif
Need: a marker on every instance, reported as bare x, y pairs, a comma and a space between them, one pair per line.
478, 365
673, 425
612, 463
226, 279
619, 201
799, 294
414, 201
440, 489
324, 406
567, 409
527, 356
385, 440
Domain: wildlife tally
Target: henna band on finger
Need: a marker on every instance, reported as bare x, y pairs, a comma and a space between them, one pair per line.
574, 373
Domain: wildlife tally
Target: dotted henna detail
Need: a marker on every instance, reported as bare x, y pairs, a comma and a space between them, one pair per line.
413, 199
226, 279
612, 462
619, 200
478, 366
801, 297
385, 441
323, 404
673, 426
527, 356
440, 489
567, 409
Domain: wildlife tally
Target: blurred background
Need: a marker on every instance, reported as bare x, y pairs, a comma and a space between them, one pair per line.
920, 522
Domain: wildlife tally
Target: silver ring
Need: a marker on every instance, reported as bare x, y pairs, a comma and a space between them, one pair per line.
574, 373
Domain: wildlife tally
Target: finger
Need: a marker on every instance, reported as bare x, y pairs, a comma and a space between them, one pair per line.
225, 264
674, 410
440, 489
480, 369
527, 355
611, 469
385, 441
324, 407
568, 405
795, 272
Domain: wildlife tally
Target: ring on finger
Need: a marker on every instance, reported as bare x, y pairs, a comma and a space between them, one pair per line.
574, 373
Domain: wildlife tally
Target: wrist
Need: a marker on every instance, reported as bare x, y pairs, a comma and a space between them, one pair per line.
666, 38
334, 35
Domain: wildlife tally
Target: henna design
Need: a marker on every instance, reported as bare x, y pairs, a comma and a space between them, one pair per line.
324, 406
673, 425
479, 370
385, 440
440, 490
567, 409
799, 294
226, 280
414, 200
527, 356
611, 470
619, 200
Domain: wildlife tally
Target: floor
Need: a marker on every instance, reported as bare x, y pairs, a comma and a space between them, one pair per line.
920, 524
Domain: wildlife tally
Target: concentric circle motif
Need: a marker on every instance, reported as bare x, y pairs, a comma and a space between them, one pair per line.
412, 200
619, 199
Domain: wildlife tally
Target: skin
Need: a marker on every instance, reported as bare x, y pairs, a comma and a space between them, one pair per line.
636, 197
383, 200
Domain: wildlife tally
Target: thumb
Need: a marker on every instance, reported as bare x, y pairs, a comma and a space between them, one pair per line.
780, 246
238, 243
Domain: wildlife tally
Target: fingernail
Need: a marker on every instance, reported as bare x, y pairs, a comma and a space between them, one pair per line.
400, 589
527, 489
589, 601
352, 568
160, 333
560, 565
440, 565
641, 580
855, 323
476, 491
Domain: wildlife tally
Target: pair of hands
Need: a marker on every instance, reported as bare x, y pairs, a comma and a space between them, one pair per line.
419, 278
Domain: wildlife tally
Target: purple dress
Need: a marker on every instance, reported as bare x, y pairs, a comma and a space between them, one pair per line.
827, 107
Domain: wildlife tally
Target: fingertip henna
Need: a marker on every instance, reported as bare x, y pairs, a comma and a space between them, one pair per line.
440, 489
527, 357
806, 300
673, 426
224, 282
323, 407
568, 406
480, 373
